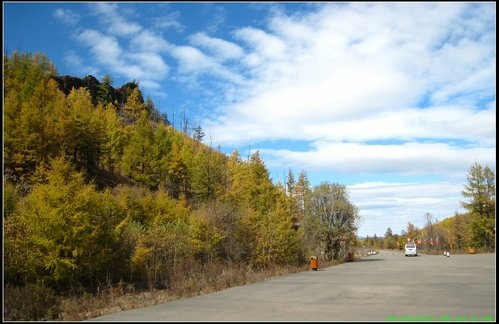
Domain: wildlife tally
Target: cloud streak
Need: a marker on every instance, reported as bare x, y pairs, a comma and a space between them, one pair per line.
409, 159
67, 16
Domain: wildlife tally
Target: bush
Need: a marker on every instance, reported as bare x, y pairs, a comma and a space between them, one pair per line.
33, 302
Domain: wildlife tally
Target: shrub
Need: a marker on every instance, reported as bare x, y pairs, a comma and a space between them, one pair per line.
33, 302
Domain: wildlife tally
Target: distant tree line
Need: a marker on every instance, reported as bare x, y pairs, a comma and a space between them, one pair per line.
474, 228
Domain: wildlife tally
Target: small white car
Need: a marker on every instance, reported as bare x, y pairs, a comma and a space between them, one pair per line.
411, 249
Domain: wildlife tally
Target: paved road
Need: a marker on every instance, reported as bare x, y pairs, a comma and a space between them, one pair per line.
383, 287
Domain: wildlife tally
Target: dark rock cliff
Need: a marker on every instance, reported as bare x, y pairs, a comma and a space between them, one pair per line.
100, 92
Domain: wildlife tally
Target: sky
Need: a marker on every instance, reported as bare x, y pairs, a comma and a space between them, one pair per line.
396, 101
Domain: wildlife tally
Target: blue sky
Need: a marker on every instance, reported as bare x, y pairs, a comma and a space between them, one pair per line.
394, 100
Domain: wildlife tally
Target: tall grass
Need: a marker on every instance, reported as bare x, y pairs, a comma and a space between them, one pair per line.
33, 302
187, 280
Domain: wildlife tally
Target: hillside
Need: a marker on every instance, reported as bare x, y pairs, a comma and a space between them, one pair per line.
105, 190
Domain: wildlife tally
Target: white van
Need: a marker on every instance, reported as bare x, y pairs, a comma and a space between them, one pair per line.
411, 249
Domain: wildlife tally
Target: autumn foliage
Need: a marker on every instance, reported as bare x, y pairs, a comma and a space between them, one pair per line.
100, 191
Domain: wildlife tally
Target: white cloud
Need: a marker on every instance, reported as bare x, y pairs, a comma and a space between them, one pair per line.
216, 16
222, 49
67, 16
76, 63
410, 159
193, 63
191, 59
150, 64
106, 49
266, 45
329, 75
446, 123
73, 59
168, 21
149, 41
152, 86
117, 25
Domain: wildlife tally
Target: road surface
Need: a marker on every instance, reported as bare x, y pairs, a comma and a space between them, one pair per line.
383, 287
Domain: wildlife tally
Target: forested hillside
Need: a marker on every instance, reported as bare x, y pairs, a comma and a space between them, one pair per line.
100, 189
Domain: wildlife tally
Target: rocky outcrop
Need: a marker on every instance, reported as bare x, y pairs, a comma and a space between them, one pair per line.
67, 83
99, 92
